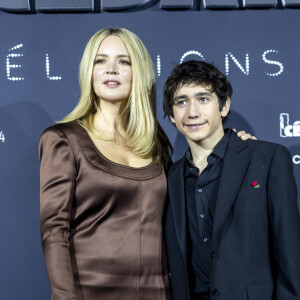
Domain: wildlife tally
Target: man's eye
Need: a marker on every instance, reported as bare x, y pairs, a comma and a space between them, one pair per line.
180, 103
203, 100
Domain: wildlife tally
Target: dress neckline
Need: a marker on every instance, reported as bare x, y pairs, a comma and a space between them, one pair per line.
96, 158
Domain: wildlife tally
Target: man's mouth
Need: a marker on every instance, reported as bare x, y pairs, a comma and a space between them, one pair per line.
195, 126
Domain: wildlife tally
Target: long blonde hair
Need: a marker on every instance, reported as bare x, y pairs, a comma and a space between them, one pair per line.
144, 135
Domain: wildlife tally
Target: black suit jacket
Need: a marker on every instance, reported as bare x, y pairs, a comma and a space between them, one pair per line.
255, 251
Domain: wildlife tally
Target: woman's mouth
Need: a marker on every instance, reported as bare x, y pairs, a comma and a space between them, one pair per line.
111, 83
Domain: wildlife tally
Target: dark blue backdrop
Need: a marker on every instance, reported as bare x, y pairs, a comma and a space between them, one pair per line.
39, 59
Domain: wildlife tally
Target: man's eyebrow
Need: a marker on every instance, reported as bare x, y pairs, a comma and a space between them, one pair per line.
200, 94
203, 94
180, 97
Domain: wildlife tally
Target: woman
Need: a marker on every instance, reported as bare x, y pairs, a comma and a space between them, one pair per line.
103, 185
102, 181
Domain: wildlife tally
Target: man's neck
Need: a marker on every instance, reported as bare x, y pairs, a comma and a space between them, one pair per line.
201, 150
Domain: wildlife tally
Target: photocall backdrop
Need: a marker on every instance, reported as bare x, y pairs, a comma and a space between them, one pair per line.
39, 58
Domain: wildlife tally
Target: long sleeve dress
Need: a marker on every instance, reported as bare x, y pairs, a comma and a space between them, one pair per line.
101, 222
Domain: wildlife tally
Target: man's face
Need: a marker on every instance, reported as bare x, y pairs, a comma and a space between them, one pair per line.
197, 114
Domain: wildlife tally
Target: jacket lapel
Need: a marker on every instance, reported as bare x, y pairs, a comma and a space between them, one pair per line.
235, 164
177, 202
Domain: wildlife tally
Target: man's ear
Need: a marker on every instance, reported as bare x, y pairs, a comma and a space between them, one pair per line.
226, 108
172, 119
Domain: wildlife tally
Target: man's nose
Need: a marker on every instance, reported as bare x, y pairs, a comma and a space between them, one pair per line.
193, 110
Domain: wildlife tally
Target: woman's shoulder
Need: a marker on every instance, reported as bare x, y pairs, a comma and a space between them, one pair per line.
60, 132
59, 136
61, 129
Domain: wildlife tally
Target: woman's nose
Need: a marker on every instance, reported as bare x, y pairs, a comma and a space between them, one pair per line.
112, 68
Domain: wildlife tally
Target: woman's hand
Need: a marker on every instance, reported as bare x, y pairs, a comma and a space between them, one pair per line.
244, 136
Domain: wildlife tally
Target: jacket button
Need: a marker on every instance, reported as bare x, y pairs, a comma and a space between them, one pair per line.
212, 255
170, 275
214, 292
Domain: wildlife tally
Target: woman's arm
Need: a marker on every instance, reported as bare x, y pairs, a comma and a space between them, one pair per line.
57, 188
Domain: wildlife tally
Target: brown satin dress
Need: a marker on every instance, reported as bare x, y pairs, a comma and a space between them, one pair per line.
101, 222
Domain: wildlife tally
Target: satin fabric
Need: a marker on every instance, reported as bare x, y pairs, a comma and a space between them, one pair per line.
101, 222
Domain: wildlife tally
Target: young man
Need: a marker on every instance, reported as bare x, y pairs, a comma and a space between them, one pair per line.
232, 224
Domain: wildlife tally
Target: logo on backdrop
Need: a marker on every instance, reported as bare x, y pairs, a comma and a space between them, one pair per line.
121, 5
287, 130
2, 137
15, 58
13, 62
296, 159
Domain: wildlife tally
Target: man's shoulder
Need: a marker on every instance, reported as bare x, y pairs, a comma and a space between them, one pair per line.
262, 148
259, 145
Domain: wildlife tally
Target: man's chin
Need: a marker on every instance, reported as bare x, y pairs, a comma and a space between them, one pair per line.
197, 139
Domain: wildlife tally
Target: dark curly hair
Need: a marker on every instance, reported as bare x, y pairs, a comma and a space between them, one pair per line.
199, 73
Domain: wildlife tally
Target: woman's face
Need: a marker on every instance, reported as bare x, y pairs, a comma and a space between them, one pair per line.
112, 73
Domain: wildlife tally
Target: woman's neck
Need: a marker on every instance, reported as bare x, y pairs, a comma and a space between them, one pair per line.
107, 120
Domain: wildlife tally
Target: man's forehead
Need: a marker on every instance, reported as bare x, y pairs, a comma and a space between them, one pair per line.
193, 88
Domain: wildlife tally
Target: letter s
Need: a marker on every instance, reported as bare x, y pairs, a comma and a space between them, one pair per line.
272, 62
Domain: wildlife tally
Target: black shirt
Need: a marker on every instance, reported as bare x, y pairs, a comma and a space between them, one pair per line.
201, 195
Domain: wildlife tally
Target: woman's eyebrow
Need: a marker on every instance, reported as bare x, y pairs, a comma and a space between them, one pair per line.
120, 55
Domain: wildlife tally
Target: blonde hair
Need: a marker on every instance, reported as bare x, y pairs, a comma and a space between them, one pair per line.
143, 133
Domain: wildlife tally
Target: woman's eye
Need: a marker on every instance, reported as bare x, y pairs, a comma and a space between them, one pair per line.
99, 61
125, 62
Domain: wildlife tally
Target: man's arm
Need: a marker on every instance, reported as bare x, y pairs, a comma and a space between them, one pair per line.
285, 224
